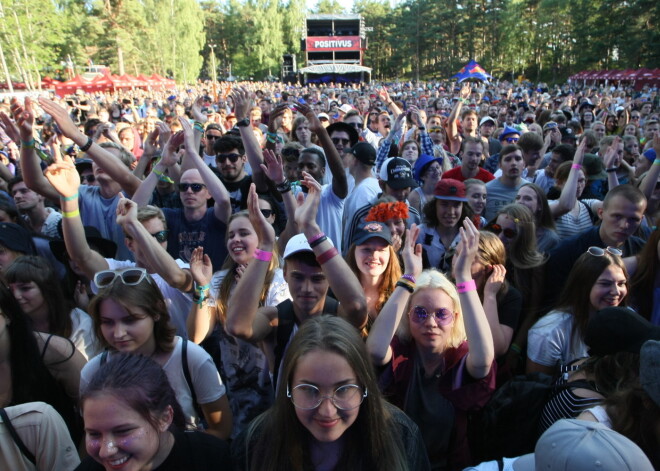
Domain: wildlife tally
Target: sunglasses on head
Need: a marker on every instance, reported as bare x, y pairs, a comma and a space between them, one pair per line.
196, 187
599, 251
497, 229
512, 140
129, 277
87, 178
442, 316
233, 158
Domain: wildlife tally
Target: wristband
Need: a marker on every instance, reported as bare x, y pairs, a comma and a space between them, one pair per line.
318, 241
656, 162
466, 286
69, 198
199, 300
516, 348
410, 278
314, 238
28, 144
327, 255
407, 286
87, 145
200, 289
610, 170
465, 101
284, 186
263, 255
576, 166
71, 214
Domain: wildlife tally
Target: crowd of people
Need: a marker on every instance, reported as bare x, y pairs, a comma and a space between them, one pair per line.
261, 276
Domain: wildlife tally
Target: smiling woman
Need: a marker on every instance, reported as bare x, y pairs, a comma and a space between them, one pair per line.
598, 280
133, 421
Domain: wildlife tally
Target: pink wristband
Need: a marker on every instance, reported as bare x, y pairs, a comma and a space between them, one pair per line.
466, 286
313, 239
263, 255
576, 166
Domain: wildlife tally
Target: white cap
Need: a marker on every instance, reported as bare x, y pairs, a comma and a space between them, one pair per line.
297, 243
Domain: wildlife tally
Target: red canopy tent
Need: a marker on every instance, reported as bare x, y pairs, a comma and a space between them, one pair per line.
133, 81
149, 81
70, 86
165, 81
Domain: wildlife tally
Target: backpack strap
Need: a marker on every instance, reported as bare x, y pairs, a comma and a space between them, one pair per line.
104, 357
17, 439
285, 321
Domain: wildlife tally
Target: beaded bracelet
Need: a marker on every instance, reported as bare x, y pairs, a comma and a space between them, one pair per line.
263, 255
71, 214
199, 300
410, 278
69, 198
466, 286
327, 255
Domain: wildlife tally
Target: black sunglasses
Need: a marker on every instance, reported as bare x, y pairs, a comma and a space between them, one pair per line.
338, 140
161, 236
87, 178
497, 229
233, 158
196, 187
267, 212
212, 137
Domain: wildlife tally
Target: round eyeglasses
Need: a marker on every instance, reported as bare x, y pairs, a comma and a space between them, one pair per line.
345, 397
442, 316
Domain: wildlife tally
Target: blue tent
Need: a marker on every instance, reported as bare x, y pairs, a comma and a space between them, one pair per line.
472, 71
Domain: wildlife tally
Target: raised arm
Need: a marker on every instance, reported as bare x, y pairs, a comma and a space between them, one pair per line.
201, 320
568, 195
342, 280
168, 161
385, 96
482, 353
384, 327
452, 128
155, 256
242, 102
30, 162
63, 176
339, 181
611, 161
101, 157
222, 207
647, 186
243, 317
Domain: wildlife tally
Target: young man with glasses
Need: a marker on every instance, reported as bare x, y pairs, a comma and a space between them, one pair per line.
212, 133
508, 136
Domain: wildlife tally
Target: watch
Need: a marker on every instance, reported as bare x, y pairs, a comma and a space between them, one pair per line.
243, 122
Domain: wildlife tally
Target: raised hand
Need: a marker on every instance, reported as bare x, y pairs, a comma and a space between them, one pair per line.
306, 211
61, 117
314, 123
495, 280
273, 168
384, 95
263, 228
196, 110
466, 251
201, 267
63, 176
416, 117
24, 117
275, 118
188, 134
412, 252
242, 102
126, 211
466, 90
611, 157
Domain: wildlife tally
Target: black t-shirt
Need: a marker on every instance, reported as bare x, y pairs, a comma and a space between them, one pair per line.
192, 451
238, 192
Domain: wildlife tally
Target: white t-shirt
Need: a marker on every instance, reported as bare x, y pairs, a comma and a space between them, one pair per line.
203, 374
329, 214
82, 334
550, 341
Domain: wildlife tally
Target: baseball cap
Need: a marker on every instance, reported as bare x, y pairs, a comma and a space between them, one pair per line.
323, 116
486, 119
508, 131
372, 229
581, 445
364, 152
593, 167
397, 173
422, 163
297, 243
345, 108
450, 189
16, 238
550, 125
568, 133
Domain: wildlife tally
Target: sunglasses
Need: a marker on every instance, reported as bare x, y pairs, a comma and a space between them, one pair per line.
355, 125
338, 140
87, 178
442, 316
497, 229
435, 129
599, 252
267, 212
212, 137
635, 117
196, 187
233, 158
512, 140
129, 277
160, 236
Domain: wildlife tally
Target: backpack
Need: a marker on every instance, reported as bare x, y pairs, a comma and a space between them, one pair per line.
508, 425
